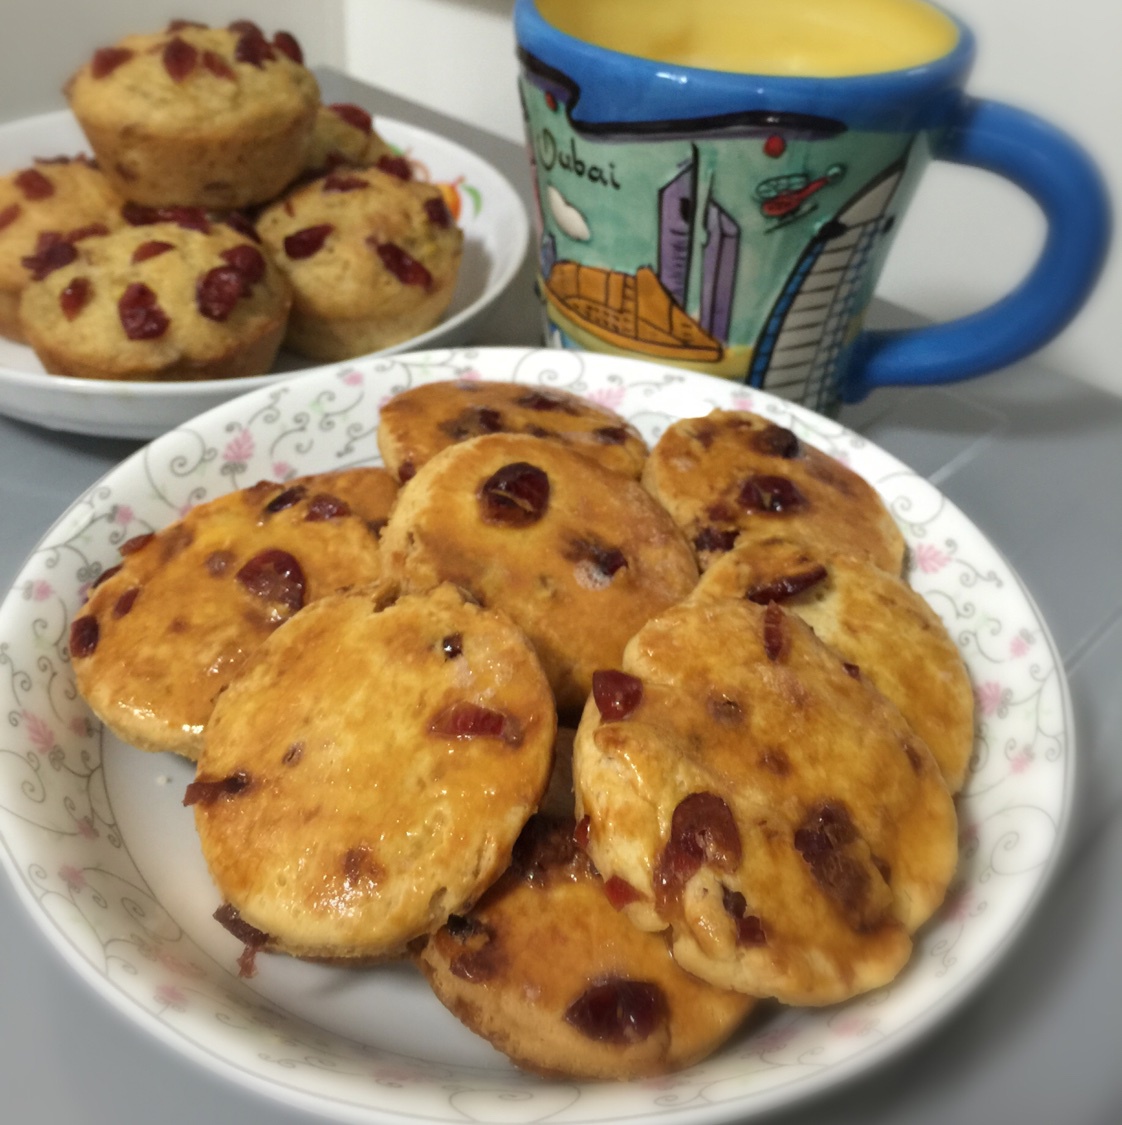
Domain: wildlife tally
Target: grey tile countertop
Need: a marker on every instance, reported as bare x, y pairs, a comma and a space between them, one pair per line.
1035, 460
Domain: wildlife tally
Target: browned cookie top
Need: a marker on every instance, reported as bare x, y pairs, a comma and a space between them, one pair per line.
370, 772
168, 628
419, 422
550, 972
777, 813
733, 475
578, 555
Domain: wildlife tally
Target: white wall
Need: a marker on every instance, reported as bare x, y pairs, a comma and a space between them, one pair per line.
968, 237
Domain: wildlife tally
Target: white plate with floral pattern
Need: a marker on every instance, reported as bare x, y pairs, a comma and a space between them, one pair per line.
496, 234
103, 854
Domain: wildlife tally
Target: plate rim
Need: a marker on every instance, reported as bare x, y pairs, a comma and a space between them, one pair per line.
806, 1087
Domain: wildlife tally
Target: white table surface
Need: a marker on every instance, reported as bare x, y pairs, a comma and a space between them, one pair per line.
1032, 459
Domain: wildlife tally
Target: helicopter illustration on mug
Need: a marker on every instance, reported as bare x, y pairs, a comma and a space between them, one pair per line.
788, 197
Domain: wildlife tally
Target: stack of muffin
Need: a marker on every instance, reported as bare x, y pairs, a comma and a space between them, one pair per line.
226, 212
614, 742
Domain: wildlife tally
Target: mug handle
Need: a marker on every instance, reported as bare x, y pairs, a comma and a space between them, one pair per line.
1067, 185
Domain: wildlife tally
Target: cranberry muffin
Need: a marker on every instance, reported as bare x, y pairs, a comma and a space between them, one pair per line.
419, 422
198, 116
776, 814
45, 210
181, 299
369, 774
373, 260
548, 970
734, 475
169, 627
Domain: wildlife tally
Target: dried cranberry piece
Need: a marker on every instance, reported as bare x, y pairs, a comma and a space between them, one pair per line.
34, 184
544, 849
702, 831
469, 720
90, 230
353, 115
482, 957
9, 215
74, 298
218, 291
250, 936
252, 47
287, 44
620, 892
190, 218
749, 929
276, 577
619, 1010
324, 506
84, 635
610, 435
617, 694
105, 575
123, 605
52, 252
338, 183
771, 494
248, 261
179, 58
141, 317
286, 499
582, 830
151, 249
852, 670
473, 421
217, 65
544, 401
605, 561
106, 60
715, 539
786, 586
138, 215
404, 267
395, 166
137, 543
775, 632
516, 495
437, 213
776, 441
452, 646
204, 792
304, 243
821, 840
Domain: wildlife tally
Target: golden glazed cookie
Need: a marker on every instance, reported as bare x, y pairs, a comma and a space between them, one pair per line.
166, 630
733, 475
370, 773
549, 971
419, 422
168, 300
778, 815
875, 622
578, 555
372, 258
45, 210
344, 134
198, 116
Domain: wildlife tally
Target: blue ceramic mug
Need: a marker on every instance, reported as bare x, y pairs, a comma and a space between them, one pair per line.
718, 183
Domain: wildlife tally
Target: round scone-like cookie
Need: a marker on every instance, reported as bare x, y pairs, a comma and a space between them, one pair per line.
369, 774
373, 260
44, 210
186, 300
734, 474
548, 971
419, 422
875, 622
578, 555
198, 116
780, 816
168, 628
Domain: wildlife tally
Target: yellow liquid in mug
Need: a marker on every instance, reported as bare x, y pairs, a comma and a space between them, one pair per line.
809, 38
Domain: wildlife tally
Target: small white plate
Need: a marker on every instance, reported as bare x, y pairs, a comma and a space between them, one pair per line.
101, 851
496, 235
